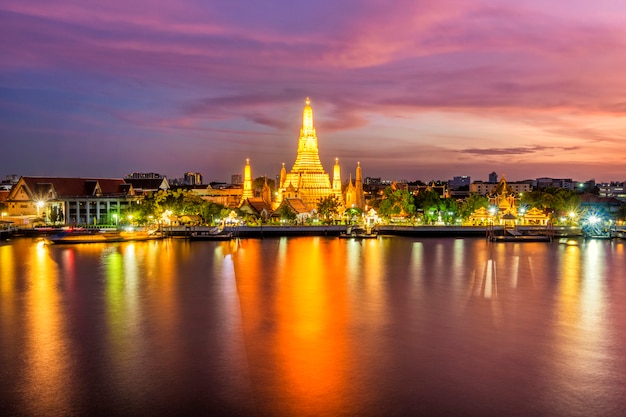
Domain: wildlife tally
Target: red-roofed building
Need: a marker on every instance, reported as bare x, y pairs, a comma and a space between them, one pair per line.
69, 200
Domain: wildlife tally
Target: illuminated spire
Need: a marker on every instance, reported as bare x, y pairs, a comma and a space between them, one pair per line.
247, 182
358, 185
283, 176
307, 120
337, 177
307, 179
308, 159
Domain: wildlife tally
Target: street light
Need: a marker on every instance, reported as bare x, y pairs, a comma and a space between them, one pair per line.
39, 205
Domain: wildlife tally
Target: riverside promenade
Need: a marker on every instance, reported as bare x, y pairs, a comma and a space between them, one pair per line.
269, 231
386, 230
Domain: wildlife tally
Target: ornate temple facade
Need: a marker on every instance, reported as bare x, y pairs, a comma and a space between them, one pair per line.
307, 179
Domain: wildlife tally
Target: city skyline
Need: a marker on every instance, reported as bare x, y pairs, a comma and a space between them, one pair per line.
420, 91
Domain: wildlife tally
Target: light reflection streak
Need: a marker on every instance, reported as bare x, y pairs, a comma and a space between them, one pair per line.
580, 337
7, 287
49, 374
123, 317
302, 319
417, 260
514, 271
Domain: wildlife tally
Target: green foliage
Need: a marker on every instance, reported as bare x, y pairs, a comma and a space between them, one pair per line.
396, 203
473, 203
328, 207
179, 202
559, 201
258, 183
449, 210
287, 213
430, 203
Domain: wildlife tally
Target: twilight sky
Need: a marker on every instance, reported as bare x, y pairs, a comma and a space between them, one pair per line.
412, 89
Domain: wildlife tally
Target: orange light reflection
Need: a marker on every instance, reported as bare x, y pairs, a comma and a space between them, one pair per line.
300, 309
49, 356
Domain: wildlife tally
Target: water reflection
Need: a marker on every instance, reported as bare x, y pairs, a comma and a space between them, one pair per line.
313, 326
295, 315
48, 382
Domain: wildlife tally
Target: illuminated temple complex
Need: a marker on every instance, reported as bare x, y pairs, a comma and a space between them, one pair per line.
307, 182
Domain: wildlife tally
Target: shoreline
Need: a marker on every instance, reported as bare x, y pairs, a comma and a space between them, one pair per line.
336, 230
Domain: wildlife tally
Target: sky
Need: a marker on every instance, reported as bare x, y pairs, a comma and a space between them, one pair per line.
413, 90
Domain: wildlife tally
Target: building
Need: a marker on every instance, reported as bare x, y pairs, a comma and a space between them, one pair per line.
545, 182
460, 181
236, 179
85, 201
147, 185
144, 175
615, 190
307, 180
192, 178
484, 188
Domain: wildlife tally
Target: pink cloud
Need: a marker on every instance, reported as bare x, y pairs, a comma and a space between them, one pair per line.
236, 74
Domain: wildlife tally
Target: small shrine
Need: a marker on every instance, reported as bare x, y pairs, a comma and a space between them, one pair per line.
534, 216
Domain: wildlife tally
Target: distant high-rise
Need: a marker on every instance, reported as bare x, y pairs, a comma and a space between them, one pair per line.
192, 178
493, 177
236, 179
460, 181
144, 175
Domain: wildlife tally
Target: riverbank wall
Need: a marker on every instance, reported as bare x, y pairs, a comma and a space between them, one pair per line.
334, 230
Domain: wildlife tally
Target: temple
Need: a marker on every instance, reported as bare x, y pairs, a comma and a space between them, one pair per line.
307, 179
307, 182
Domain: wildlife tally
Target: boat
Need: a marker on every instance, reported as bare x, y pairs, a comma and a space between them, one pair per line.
356, 232
140, 235
84, 236
70, 236
516, 236
212, 234
521, 238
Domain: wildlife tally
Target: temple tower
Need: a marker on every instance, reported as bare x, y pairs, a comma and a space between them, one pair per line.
308, 159
266, 193
337, 177
358, 185
247, 182
307, 176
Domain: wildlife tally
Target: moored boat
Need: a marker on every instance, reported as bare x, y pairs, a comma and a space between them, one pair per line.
84, 236
212, 234
358, 233
71, 236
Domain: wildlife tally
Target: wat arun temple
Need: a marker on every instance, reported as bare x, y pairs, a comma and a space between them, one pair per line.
307, 183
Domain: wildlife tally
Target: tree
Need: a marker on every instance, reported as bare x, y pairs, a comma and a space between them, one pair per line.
258, 183
559, 201
449, 210
471, 204
328, 207
396, 203
210, 211
430, 203
179, 202
287, 214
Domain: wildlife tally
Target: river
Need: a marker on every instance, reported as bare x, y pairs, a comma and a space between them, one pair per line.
313, 326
